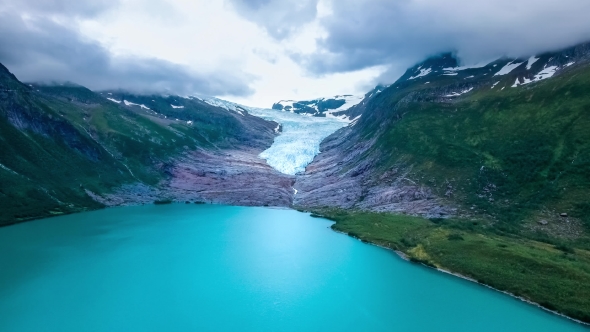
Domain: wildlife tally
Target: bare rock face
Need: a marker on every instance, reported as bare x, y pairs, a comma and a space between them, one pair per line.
237, 177
232, 177
344, 176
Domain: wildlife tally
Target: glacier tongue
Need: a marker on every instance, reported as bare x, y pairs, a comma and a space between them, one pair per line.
300, 140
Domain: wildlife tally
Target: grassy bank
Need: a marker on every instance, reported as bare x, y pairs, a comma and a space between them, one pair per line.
556, 277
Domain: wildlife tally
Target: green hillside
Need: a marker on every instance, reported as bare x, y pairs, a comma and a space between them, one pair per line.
513, 157
59, 141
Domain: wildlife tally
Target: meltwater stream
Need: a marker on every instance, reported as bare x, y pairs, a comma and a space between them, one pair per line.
219, 268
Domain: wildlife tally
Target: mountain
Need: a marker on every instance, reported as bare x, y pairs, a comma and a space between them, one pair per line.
496, 156
445, 125
337, 106
64, 148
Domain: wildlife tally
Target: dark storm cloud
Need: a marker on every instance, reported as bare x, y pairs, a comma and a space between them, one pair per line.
280, 18
39, 49
361, 34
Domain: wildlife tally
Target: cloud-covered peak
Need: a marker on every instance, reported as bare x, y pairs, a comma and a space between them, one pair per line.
361, 34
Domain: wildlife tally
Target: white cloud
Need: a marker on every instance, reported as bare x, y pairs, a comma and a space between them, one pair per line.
210, 35
290, 49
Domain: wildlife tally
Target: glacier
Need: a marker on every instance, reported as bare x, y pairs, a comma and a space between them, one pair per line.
299, 141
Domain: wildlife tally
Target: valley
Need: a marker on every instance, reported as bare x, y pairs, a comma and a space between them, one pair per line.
480, 170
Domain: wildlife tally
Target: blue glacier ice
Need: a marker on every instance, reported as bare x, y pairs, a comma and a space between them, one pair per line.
299, 141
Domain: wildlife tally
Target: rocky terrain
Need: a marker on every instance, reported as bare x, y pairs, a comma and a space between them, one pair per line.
231, 177
335, 179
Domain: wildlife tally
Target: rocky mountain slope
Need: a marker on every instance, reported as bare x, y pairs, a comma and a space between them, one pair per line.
64, 148
506, 142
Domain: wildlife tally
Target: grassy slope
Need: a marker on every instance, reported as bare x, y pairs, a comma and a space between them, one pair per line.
558, 279
510, 154
73, 140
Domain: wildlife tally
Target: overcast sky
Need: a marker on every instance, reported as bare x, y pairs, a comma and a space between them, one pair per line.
260, 51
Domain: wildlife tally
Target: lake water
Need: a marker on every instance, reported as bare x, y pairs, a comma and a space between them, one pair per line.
220, 268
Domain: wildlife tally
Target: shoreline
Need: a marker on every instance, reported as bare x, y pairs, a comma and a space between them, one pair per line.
404, 257
399, 253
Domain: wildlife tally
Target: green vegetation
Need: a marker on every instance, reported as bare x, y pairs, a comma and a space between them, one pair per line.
557, 279
516, 161
512, 157
60, 144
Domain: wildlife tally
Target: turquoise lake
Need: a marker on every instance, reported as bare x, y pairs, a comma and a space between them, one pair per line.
220, 268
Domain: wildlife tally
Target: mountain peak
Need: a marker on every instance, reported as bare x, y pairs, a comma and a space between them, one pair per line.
431, 65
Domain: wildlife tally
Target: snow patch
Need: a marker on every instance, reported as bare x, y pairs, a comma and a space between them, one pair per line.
531, 62
8, 169
456, 94
355, 121
494, 85
423, 72
114, 100
174, 106
223, 104
544, 74
128, 103
189, 123
510, 66
349, 102
569, 64
475, 66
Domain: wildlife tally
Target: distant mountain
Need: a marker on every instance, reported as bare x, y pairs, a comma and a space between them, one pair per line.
337, 106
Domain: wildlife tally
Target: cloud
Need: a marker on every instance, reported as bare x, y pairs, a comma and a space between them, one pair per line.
362, 34
66, 8
39, 49
280, 18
